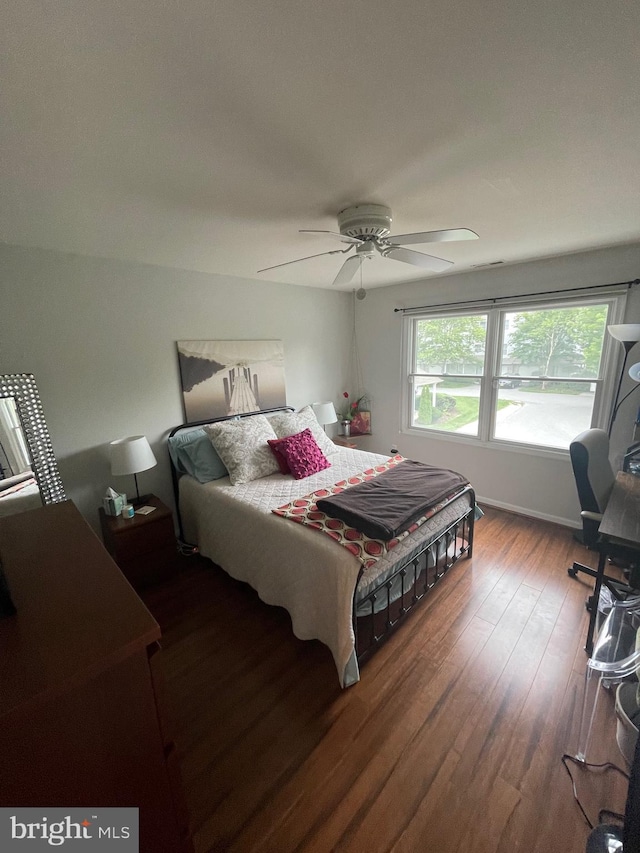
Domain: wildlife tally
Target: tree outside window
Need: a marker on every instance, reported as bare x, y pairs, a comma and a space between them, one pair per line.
559, 342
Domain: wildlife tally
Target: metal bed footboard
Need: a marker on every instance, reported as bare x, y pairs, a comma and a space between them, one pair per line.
411, 582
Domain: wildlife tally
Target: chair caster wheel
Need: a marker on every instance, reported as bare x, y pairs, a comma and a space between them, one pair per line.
589, 604
573, 573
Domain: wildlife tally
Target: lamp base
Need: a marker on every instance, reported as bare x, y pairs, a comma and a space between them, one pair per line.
140, 501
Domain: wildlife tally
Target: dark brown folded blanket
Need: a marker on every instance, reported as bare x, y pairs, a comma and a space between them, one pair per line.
388, 504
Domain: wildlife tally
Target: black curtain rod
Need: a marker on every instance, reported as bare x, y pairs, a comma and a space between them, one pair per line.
494, 299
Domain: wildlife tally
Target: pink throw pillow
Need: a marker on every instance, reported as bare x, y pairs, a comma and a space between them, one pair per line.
274, 444
300, 453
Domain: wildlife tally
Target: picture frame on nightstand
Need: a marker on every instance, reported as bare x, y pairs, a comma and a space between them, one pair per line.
361, 423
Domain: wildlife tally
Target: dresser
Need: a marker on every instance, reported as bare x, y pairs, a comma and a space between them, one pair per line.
82, 716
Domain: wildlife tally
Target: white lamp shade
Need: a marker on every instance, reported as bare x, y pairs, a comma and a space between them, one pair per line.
131, 455
325, 413
625, 332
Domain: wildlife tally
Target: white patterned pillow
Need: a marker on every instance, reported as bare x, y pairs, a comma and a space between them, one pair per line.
242, 446
291, 423
285, 424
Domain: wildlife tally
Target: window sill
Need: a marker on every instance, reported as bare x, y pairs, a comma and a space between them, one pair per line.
510, 447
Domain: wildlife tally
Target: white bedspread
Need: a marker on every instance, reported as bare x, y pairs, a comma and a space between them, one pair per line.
288, 564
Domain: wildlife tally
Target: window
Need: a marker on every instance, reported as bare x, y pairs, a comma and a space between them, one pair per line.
526, 374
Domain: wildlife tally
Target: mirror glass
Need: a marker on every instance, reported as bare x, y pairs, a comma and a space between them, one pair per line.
19, 489
29, 473
14, 454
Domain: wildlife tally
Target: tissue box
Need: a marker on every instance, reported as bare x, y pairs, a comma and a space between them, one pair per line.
113, 506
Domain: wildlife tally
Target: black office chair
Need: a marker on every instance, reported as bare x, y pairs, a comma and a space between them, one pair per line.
594, 478
611, 838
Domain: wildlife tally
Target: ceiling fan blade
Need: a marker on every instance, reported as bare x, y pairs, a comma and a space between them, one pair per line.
354, 241
418, 259
434, 236
348, 269
308, 258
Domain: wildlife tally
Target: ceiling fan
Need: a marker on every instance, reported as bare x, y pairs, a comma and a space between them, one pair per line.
366, 228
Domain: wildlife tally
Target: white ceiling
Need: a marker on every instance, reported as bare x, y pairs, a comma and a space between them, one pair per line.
202, 134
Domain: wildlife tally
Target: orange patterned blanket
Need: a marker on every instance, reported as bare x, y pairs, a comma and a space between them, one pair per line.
367, 550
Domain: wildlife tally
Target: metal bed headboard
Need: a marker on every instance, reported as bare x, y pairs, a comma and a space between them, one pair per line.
175, 475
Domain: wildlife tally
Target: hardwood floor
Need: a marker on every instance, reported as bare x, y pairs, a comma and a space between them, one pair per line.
451, 741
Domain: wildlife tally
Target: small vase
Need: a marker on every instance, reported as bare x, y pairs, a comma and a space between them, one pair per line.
346, 428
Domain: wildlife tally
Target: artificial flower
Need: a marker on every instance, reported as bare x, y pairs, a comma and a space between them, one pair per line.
351, 408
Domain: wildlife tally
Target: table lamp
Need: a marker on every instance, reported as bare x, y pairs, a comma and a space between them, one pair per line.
130, 456
325, 413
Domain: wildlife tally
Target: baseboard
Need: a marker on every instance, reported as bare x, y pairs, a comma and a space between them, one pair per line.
529, 513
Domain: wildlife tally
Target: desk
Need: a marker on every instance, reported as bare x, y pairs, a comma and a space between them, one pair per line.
621, 519
620, 522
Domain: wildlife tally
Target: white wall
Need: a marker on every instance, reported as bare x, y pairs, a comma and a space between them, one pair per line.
100, 338
519, 481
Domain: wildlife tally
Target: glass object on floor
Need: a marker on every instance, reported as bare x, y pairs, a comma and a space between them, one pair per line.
615, 658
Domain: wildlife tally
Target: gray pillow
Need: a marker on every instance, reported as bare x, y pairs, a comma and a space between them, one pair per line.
192, 453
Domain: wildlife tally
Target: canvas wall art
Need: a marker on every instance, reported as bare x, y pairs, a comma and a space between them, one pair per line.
221, 378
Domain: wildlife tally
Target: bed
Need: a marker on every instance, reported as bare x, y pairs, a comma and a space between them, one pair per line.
328, 592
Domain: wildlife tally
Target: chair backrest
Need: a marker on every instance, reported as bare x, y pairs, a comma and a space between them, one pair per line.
592, 470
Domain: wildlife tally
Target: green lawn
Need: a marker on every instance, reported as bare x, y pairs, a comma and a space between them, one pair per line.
465, 412
459, 383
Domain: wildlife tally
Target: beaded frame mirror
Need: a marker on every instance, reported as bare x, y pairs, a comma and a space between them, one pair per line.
22, 388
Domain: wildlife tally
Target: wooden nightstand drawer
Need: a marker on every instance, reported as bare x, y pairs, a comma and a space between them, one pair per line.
134, 538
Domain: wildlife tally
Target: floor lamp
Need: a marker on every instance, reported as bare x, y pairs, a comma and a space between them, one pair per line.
628, 334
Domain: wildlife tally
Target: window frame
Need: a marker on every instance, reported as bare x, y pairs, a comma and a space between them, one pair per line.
494, 310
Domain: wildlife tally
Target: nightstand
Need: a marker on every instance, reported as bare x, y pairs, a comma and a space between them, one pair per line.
144, 547
345, 441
